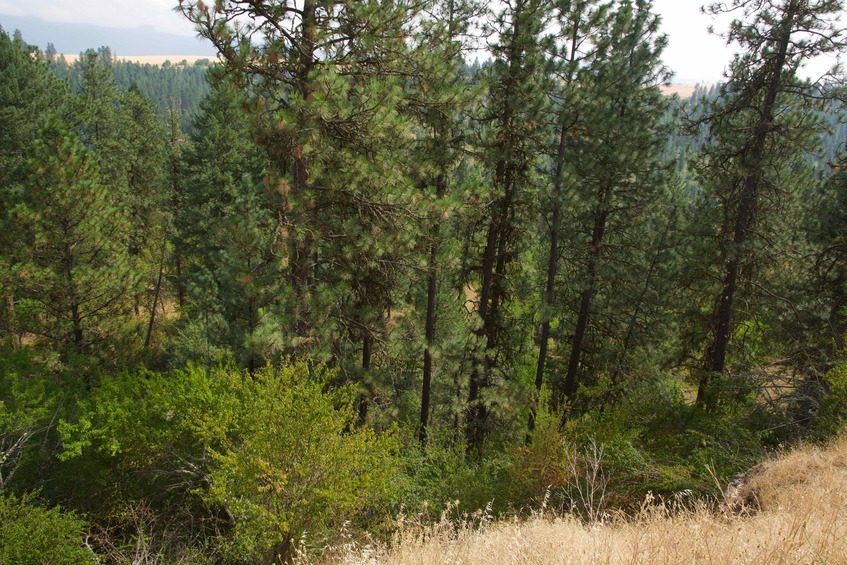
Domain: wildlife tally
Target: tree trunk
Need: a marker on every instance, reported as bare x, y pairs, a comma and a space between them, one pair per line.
301, 248
367, 346
636, 311
587, 296
552, 264
620, 367
553, 258
156, 293
180, 288
175, 202
73, 300
497, 255
429, 329
77, 326
476, 409
11, 326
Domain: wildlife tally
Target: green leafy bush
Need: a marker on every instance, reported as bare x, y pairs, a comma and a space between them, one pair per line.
291, 463
259, 461
35, 389
541, 466
832, 414
32, 534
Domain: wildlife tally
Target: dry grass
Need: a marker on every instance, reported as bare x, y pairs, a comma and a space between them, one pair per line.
800, 517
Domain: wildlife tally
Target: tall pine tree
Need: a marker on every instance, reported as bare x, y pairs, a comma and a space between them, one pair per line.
761, 126
71, 271
617, 159
512, 136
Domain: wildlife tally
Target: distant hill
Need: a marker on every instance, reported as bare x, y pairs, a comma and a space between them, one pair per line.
682, 90
179, 85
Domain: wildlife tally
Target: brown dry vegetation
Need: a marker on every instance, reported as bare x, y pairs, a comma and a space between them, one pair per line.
798, 515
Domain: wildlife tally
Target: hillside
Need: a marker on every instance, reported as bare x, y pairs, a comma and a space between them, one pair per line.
355, 275
797, 514
684, 91
179, 86
157, 60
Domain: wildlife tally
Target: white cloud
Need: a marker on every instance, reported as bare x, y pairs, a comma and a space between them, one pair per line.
692, 53
697, 56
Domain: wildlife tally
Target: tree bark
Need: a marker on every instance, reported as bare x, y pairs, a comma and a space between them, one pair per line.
550, 286
553, 258
367, 346
156, 293
431, 301
301, 248
587, 296
476, 409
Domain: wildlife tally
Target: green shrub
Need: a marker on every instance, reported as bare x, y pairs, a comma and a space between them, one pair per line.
541, 466
832, 414
259, 461
35, 391
30, 533
291, 462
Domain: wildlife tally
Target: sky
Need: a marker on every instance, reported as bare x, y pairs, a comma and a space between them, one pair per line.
152, 27
695, 55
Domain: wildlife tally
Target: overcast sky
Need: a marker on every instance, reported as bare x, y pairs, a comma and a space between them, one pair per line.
693, 54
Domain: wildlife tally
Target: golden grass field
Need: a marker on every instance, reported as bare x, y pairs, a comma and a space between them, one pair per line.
683, 90
150, 59
160, 59
798, 516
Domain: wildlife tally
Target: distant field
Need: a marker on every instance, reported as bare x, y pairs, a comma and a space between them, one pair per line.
160, 59
151, 59
683, 90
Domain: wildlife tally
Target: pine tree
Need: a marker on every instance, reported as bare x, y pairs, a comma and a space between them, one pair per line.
512, 136
826, 226
761, 126
438, 98
70, 269
129, 143
95, 114
28, 93
326, 86
579, 21
147, 193
226, 231
617, 155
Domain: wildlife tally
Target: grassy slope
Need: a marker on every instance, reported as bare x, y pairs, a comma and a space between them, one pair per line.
801, 517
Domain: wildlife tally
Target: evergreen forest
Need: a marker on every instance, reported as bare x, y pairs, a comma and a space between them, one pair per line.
255, 307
